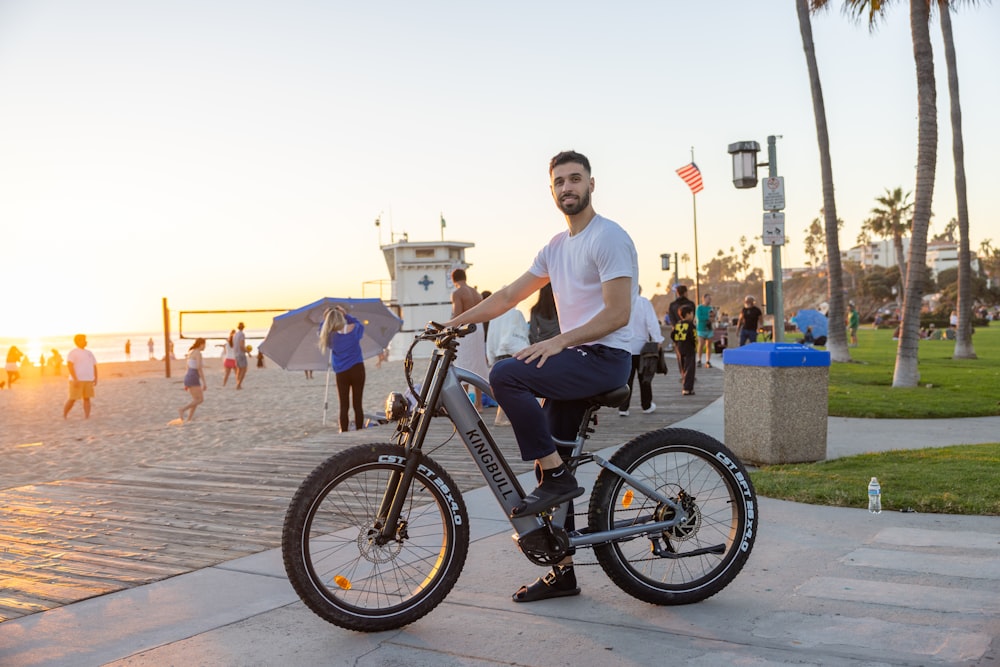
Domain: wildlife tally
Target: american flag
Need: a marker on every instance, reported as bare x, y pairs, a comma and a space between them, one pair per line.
691, 175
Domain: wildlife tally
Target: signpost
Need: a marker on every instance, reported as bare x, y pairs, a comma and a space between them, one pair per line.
774, 228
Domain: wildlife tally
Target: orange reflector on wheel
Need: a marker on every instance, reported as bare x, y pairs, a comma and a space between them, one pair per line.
627, 498
343, 582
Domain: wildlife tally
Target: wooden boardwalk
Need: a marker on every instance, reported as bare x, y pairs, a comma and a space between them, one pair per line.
65, 541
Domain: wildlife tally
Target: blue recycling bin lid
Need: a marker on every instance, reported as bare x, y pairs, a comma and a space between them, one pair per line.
783, 355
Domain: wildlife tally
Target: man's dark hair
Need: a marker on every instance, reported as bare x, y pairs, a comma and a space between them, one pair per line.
569, 156
682, 290
457, 274
686, 309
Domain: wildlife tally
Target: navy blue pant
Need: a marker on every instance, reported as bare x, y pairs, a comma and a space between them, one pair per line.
565, 380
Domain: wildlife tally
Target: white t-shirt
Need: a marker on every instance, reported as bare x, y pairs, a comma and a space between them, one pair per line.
578, 265
84, 363
508, 335
643, 324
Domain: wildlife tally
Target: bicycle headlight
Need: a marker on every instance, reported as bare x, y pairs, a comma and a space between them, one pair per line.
396, 406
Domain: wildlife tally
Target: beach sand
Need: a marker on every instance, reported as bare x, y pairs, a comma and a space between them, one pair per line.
135, 403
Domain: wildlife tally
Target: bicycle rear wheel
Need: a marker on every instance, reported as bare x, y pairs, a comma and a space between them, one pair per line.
331, 552
696, 558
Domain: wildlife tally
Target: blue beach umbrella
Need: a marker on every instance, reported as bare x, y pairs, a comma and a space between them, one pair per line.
812, 318
292, 342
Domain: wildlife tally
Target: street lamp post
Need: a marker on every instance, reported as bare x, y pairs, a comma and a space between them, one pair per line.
665, 265
745, 176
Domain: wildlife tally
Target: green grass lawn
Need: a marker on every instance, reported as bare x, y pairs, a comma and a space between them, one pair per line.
948, 387
964, 479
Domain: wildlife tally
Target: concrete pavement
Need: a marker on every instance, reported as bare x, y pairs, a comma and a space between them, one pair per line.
823, 586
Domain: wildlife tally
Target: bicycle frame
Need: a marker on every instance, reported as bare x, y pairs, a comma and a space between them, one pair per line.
442, 387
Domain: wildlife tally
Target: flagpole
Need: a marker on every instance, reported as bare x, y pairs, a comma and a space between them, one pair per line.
694, 207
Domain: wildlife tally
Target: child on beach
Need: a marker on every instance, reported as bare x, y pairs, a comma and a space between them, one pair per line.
194, 379
683, 336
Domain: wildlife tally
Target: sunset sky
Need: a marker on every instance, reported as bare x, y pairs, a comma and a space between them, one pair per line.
234, 155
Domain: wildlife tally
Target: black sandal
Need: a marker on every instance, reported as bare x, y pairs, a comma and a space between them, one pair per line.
559, 583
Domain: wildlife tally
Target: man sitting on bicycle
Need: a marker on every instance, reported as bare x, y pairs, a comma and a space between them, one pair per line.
594, 272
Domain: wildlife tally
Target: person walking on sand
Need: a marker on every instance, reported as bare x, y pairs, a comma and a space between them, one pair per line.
149, 344
593, 268
194, 378
340, 336
472, 351
229, 356
240, 345
13, 366
128, 350
82, 366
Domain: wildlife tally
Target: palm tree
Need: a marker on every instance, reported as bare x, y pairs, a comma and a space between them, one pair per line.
837, 335
906, 373
963, 338
891, 219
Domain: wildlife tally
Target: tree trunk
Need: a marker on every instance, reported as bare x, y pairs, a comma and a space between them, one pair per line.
963, 338
897, 244
906, 373
836, 342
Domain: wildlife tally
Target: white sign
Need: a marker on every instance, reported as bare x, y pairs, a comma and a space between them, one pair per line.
774, 193
774, 229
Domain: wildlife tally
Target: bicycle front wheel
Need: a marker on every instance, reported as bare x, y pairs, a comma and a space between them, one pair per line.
699, 556
337, 563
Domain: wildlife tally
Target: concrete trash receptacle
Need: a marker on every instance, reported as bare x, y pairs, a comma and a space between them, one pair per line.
776, 402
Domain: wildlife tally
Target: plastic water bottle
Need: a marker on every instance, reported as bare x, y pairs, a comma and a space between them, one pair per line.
874, 496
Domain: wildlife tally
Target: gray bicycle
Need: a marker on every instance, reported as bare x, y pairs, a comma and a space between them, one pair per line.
377, 535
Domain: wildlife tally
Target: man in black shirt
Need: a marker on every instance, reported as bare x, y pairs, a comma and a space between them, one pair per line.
749, 321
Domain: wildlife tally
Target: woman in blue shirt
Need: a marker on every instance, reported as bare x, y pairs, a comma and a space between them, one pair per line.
341, 334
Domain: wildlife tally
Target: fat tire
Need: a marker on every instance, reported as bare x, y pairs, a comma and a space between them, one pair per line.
671, 460
345, 578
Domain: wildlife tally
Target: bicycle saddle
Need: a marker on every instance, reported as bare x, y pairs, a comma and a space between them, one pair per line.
610, 399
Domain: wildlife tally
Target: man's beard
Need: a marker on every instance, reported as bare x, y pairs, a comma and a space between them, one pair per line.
573, 208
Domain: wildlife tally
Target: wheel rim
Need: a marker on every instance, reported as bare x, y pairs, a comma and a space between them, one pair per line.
714, 519
352, 571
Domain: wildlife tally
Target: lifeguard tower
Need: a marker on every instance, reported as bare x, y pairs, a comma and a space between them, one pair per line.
420, 273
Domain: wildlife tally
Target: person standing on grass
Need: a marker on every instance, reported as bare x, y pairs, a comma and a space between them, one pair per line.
194, 378
853, 322
82, 365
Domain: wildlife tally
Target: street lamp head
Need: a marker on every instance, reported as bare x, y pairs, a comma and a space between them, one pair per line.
744, 163
665, 261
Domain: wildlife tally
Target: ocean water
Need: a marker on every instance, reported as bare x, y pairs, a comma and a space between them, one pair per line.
111, 347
